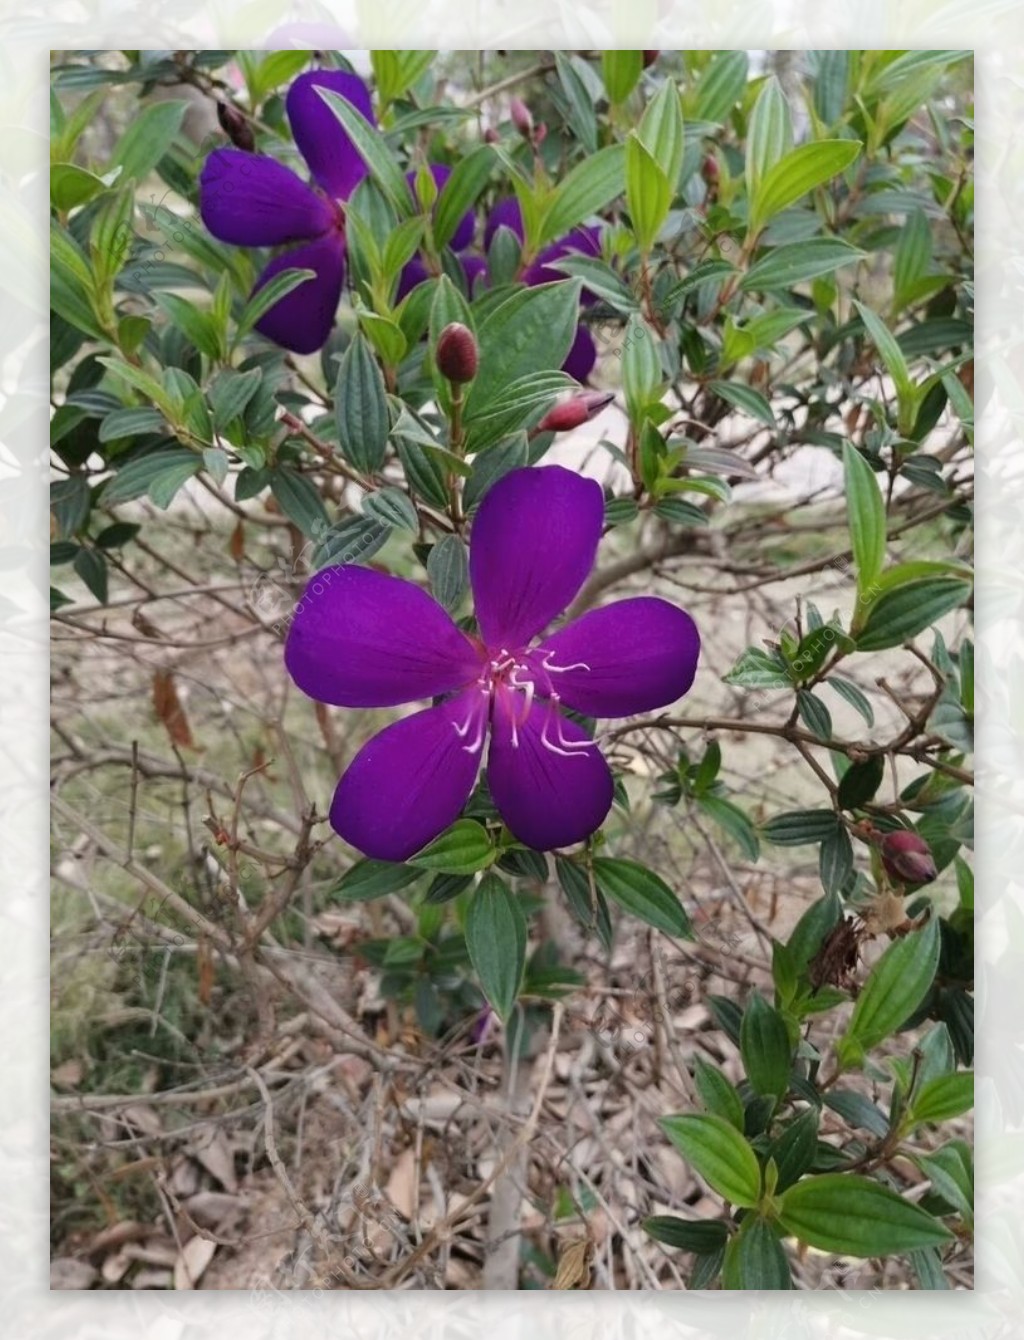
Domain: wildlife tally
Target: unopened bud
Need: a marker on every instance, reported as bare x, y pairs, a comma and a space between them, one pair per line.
235, 127
457, 353
650, 57
907, 858
521, 118
709, 169
491, 136
578, 409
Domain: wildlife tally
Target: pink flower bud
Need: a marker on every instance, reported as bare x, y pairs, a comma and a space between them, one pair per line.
457, 353
235, 127
521, 118
907, 858
574, 411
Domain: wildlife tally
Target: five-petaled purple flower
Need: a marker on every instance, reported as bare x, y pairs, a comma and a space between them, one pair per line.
252, 200
362, 638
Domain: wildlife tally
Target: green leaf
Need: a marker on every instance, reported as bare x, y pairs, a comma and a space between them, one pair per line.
943, 1098
786, 266
755, 1258
702, 1236
757, 669
733, 821
769, 134
147, 138
71, 186
642, 375
764, 1047
496, 935
511, 453
719, 1153
621, 70
136, 477
372, 147
835, 861
860, 782
865, 510
354, 540
663, 133
461, 849
814, 714
894, 989
793, 1152
852, 694
519, 405
745, 398
373, 879
721, 85
300, 501
460, 192
283, 283
717, 1094
896, 364
643, 894
952, 1177
600, 279
648, 192
197, 326
852, 1215
448, 570
530, 332
587, 189
393, 507
92, 568
581, 114
799, 828
903, 613
801, 170
361, 408
230, 393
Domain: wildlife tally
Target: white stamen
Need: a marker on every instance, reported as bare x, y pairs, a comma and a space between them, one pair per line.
567, 748
561, 669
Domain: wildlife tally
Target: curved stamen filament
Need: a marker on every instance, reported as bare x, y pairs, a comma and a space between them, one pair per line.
564, 746
546, 662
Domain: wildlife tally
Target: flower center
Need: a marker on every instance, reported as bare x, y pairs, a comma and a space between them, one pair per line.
515, 679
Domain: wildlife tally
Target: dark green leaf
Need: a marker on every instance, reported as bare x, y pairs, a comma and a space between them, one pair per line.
908, 610
496, 939
765, 1047
448, 570
361, 408
300, 501
643, 894
373, 879
799, 828
461, 850
860, 782
755, 1259
702, 1236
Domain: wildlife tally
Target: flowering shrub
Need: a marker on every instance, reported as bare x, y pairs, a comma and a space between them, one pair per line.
665, 360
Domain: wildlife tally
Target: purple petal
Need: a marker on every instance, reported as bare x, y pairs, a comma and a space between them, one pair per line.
580, 360
475, 270
361, 638
463, 235
413, 273
333, 159
505, 214
408, 783
581, 241
534, 541
254, 201
302, 319
629, 657
549, 781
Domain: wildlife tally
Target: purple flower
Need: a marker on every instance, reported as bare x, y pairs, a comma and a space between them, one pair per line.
361, 638
251, 200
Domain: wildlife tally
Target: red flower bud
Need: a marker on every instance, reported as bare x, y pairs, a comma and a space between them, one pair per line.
650, 57
457, 353
521, 118
907, 858
491, 136
235, 127
578, 409
709, 169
